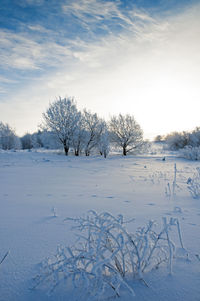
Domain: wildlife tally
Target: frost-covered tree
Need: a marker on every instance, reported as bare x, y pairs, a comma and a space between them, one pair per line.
125, 132
78, 139
159, 138
8, 138
36, 139
62, 119
50, 140
180, 140
103, 141
194, 137
177, 140
26, 141
93, 128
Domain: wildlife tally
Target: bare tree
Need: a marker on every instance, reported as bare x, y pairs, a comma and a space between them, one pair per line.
126, 133
62, 118
103, 141
78, 139
93, 128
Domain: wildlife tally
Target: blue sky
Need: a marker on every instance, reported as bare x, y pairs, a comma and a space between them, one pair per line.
139, 57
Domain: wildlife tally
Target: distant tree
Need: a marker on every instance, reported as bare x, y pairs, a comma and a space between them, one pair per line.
194, 137
93, 129
176, 140
36, 139
8, 138
159, 138
62, 119
125, 132
26, 141
103, 141
78, 139
50, 140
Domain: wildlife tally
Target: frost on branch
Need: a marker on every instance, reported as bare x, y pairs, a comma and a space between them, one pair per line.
107, 257
194, 184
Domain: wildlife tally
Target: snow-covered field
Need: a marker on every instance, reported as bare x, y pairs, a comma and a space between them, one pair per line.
32, 183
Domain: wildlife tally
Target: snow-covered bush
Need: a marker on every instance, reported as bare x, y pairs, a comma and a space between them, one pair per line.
191, 153
194, 137
180, 140
194, 184
177, 140
107, 257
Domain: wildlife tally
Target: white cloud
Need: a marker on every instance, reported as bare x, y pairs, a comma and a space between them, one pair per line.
150, 71
22, 51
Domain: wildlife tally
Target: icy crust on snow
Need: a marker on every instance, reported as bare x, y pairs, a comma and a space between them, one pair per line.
38, 190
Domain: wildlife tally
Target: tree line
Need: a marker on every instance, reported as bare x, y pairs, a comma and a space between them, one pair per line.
180, 140
81, 131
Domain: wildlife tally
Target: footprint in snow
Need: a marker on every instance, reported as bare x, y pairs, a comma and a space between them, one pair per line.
93, 195
151, 204
110, 197
127, 201
177, 209
45, 160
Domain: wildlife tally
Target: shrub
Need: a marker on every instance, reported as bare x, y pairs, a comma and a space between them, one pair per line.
194, 184
107, 257
191, 153
176, 140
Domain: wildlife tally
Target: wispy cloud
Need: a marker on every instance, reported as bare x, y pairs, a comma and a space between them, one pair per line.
109, 16
35, 48
122, 59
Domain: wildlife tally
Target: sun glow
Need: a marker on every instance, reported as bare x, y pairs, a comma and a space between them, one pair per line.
150, 70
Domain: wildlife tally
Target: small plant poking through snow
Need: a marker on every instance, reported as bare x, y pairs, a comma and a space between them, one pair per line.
170, 190
4, 257
53, 210
107, 257
194, 184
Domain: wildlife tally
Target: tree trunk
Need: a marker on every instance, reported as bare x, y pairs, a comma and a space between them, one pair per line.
87, 152
66, 149
76, 153
124, 151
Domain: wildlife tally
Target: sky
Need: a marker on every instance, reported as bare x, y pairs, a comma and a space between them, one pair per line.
138, 57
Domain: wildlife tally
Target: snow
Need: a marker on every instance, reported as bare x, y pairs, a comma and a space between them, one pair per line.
38, 190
